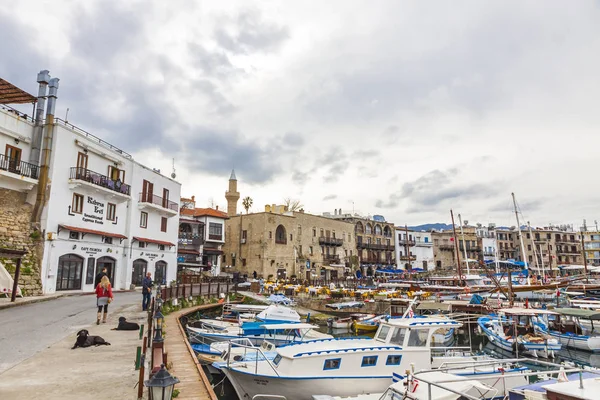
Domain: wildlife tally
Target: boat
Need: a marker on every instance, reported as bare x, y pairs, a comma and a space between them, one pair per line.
240, 312
276, 313
505, 331
571, 330
349, 304
580, 385
368, 325
341, 367
346, 323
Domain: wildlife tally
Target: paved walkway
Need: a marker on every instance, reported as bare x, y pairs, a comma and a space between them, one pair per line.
19, 301
193, 383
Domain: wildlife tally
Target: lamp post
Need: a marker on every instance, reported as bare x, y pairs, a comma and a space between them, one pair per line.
160, 385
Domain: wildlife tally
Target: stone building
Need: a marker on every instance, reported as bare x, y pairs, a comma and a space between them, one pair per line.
444, 249
283, 243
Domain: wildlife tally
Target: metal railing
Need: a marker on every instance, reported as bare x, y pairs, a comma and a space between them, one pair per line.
94, 138
159, 201
19, 167
326, 240
84, 174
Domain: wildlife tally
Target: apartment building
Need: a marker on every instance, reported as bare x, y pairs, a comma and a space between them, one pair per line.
486, 235
591, 240
414, 249
97, 207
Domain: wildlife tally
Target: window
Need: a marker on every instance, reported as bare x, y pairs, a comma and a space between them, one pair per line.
270, 235
165, 202
310, 250
369, 361
163, 224
321, 232
333, 363
300, 249
277, 359
111, 211
244, 234
77, 206
147, 192
291, 238
393, 360
144, 219
280, 236
116, 174
215, 231
74, 235
314, 232
162, 247
398, 336
426, 239
142, 245
82, 162
107, 240
417, 338
89, 275
243, 262
383, 332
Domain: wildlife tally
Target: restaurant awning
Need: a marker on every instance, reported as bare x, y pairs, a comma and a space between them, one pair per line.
91, 232
10, 94
141, 239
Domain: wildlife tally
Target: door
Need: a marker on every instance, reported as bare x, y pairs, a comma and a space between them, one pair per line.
147, 191
13, 156
165, 202
68, 274
108, 263
160, 272
139, 271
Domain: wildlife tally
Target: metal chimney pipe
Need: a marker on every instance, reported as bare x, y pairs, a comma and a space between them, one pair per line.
46, 152
36, 142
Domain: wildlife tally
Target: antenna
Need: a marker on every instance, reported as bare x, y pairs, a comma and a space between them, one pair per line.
173, 175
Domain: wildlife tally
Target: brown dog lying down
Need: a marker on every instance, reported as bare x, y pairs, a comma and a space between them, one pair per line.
126, 326
84, 339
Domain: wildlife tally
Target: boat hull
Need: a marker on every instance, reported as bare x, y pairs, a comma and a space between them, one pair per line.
580, 342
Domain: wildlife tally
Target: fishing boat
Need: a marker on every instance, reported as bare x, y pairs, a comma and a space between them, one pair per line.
346, 323
345, 305
572, 328
506, 331
368, 325
341, 367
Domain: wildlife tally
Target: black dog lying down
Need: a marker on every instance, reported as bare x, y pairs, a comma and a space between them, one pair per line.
126, 326
84, 339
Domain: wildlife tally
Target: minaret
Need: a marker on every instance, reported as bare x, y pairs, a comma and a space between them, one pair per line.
232, 195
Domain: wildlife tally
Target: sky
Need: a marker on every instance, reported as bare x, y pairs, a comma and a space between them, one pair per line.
405, 109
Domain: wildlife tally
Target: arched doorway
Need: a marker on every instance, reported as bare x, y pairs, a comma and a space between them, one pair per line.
109, 263
68, 274
139, 271
160, 272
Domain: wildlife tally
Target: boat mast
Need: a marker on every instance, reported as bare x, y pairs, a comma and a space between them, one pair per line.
460, 280
520, 237
584, 257
537, 263
407, 247
462, 234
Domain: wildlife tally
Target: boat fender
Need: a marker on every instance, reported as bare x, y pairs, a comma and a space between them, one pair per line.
480, 330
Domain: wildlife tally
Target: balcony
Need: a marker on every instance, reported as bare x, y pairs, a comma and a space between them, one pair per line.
159, 204
331, 258
370, 260
404, 242
423, 244
215, 237
22, 175
408, 258
190, 239
100, 183
330, 241
375, 246
446, 247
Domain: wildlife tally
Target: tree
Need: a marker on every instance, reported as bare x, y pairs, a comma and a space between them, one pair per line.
292, 204
247, 203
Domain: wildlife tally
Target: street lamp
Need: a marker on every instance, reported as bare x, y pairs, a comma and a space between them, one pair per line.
161, 384
158, 337
159, 318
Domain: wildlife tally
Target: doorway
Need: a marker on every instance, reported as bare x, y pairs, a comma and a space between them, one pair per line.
68, 274
139, 271
160, 272
109, 264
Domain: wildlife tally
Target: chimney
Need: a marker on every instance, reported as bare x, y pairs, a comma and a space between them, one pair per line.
340, 212
335, 211
217, 208
36, 141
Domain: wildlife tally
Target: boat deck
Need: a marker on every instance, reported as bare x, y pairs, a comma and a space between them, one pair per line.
193, 382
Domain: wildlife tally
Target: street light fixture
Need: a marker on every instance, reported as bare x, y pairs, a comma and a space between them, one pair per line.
161, 384
158, 337
159, 318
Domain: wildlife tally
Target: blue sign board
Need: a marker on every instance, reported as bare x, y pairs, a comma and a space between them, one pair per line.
307, 264
180, 259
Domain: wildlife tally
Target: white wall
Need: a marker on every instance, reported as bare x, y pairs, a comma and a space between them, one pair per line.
422, 250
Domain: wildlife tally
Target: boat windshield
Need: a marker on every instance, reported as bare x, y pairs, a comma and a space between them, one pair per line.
418, 338
391, 394
383, 332
398, 336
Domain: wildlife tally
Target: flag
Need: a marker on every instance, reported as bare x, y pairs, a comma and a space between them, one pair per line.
415, 384
411, 313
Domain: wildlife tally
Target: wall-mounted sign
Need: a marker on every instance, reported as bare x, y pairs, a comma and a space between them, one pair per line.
307, 264
95, 213
151, 256
91, 250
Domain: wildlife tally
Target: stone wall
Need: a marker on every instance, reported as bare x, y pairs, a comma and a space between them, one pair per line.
16, 233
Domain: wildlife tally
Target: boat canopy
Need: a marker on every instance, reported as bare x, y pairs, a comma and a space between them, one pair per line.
276, 327
434, 305
578, 312
423, 322
525, 311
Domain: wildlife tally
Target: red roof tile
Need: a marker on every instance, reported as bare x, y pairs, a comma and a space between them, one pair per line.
93, 232
141, 239
201, 212
188, 251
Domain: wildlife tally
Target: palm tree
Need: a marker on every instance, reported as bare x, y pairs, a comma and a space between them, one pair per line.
292, 204
247, 203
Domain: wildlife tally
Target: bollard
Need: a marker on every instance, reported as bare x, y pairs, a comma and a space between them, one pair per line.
141, 331
138, 358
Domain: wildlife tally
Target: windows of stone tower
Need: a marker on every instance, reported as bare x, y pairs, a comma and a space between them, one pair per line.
310, 250
314, 232
280, 235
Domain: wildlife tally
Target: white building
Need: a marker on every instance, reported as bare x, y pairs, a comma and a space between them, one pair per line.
487, 234
102, 209
414, 248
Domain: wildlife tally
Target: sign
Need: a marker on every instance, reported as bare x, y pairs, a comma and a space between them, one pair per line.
307, 264
95, 215
180, 259
151, 256
91, 250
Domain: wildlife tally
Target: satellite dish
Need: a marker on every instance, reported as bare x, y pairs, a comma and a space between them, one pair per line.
173, 175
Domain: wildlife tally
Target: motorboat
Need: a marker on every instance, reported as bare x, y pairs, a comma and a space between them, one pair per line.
571, 328
341, 366
346, 323
507, 331
367, 325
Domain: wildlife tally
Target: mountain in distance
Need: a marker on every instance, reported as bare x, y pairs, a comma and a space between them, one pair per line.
428, 227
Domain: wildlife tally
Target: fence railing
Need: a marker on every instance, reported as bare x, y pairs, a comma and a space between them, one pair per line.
19, 167
98, 179
159, 201
208, 289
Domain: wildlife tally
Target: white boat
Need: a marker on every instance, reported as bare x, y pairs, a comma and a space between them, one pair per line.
278, 313
346, 323
524, 340
341, 367
571, 328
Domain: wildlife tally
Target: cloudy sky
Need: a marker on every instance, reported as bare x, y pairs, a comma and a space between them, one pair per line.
400, 108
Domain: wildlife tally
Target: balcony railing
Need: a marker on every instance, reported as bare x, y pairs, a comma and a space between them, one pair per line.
404, 242
370, 259
19, 167
97, 179
330, 241
375, 246
332, 258
212, 236
446, 247
408, 258
190, 238
159, 201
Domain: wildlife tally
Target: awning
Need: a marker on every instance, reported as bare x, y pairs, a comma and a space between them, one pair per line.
188, 251
91, 232
434, 306
10, 94
577, 312
141, 239
212, 251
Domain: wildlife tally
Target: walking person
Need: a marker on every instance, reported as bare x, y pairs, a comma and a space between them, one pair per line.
99, 276
104, 296
147, 285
